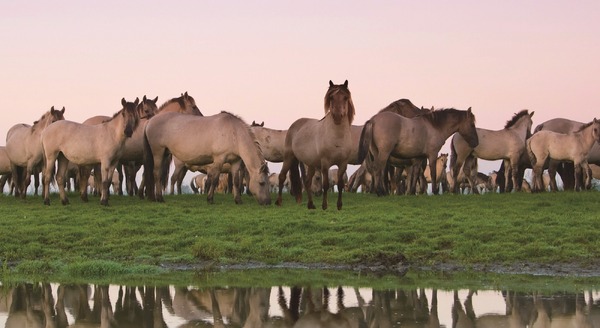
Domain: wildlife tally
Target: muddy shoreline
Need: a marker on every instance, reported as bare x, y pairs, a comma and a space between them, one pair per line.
551, 270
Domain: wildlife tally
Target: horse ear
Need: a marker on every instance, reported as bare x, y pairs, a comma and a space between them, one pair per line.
52, 109
155, 100
137, 101
330, 83
185, 94
262, 123
531, 115
62, 111
469, 110
144, 99
123, 101
346, 84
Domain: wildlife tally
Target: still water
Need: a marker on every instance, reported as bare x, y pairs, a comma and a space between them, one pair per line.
88, 305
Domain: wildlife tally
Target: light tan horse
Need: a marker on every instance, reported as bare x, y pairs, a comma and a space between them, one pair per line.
87, 145
565, 169
132, 156
320, 144
198, 182
271, 141
24, 149
388, 135
202, 140
5, 169
574, 147
333, 178
507, 144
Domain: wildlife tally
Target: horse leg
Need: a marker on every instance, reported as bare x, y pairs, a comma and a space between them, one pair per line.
341, 171
326, 186
61, 171
515, 175
213, 177
235, 186
46, 178
588, 175
119, 169
106, 173
288, 162
552, 169
308, 186
84, 176
578, 174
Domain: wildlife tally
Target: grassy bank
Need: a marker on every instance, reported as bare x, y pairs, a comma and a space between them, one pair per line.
134, 236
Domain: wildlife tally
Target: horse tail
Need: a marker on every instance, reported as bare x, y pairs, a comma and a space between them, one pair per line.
366, 136
530, 152
193, 186
295, 180
453, 156
148, 169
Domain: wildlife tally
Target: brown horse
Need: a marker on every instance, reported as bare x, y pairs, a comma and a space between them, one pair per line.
388, 136
507, 144
574, 147
24, 149
204, 140
320, 144
84, 145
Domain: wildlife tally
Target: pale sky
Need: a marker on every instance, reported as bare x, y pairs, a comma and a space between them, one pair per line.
271, 60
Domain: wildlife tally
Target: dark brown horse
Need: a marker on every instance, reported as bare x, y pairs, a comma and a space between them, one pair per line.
320, 144
390, 136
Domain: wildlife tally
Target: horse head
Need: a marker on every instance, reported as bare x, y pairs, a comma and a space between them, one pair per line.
188, 104
130, 116
468, 130
57, 115
259, 185
147, 107
338, 102
596, 130
262, 124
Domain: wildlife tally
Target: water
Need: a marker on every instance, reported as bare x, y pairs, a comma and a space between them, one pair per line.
88, 305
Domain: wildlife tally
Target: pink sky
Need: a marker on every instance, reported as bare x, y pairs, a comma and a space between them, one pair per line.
271, 60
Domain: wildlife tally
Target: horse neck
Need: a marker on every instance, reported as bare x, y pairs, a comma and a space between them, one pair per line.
338, 130
249, 152
117, 126
447, 127
521, 128
587, 137
38, 127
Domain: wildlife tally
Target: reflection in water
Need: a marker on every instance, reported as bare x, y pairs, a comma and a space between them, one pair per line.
56, 306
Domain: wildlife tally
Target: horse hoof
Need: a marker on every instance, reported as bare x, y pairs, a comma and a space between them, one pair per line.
47, 202
104, 202
324, 206
65, 201
278, 202
311, 206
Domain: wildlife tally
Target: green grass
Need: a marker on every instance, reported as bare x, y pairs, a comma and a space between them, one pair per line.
134, 236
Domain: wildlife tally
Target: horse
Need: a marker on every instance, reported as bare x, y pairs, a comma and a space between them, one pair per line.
5, 169
390, 136
202, 140
333, 177
85, 145
440, 168
24, 149
132, 154
197, 184
320, 144
271, 141
507, 144
574, 147
565, 169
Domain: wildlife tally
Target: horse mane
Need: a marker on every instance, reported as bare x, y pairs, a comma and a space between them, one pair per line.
585, 126
516, 118
170, 101
249, 131
35, 123
333, 89
397, 106
437, 117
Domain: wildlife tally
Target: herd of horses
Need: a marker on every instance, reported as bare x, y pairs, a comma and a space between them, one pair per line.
397, 150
